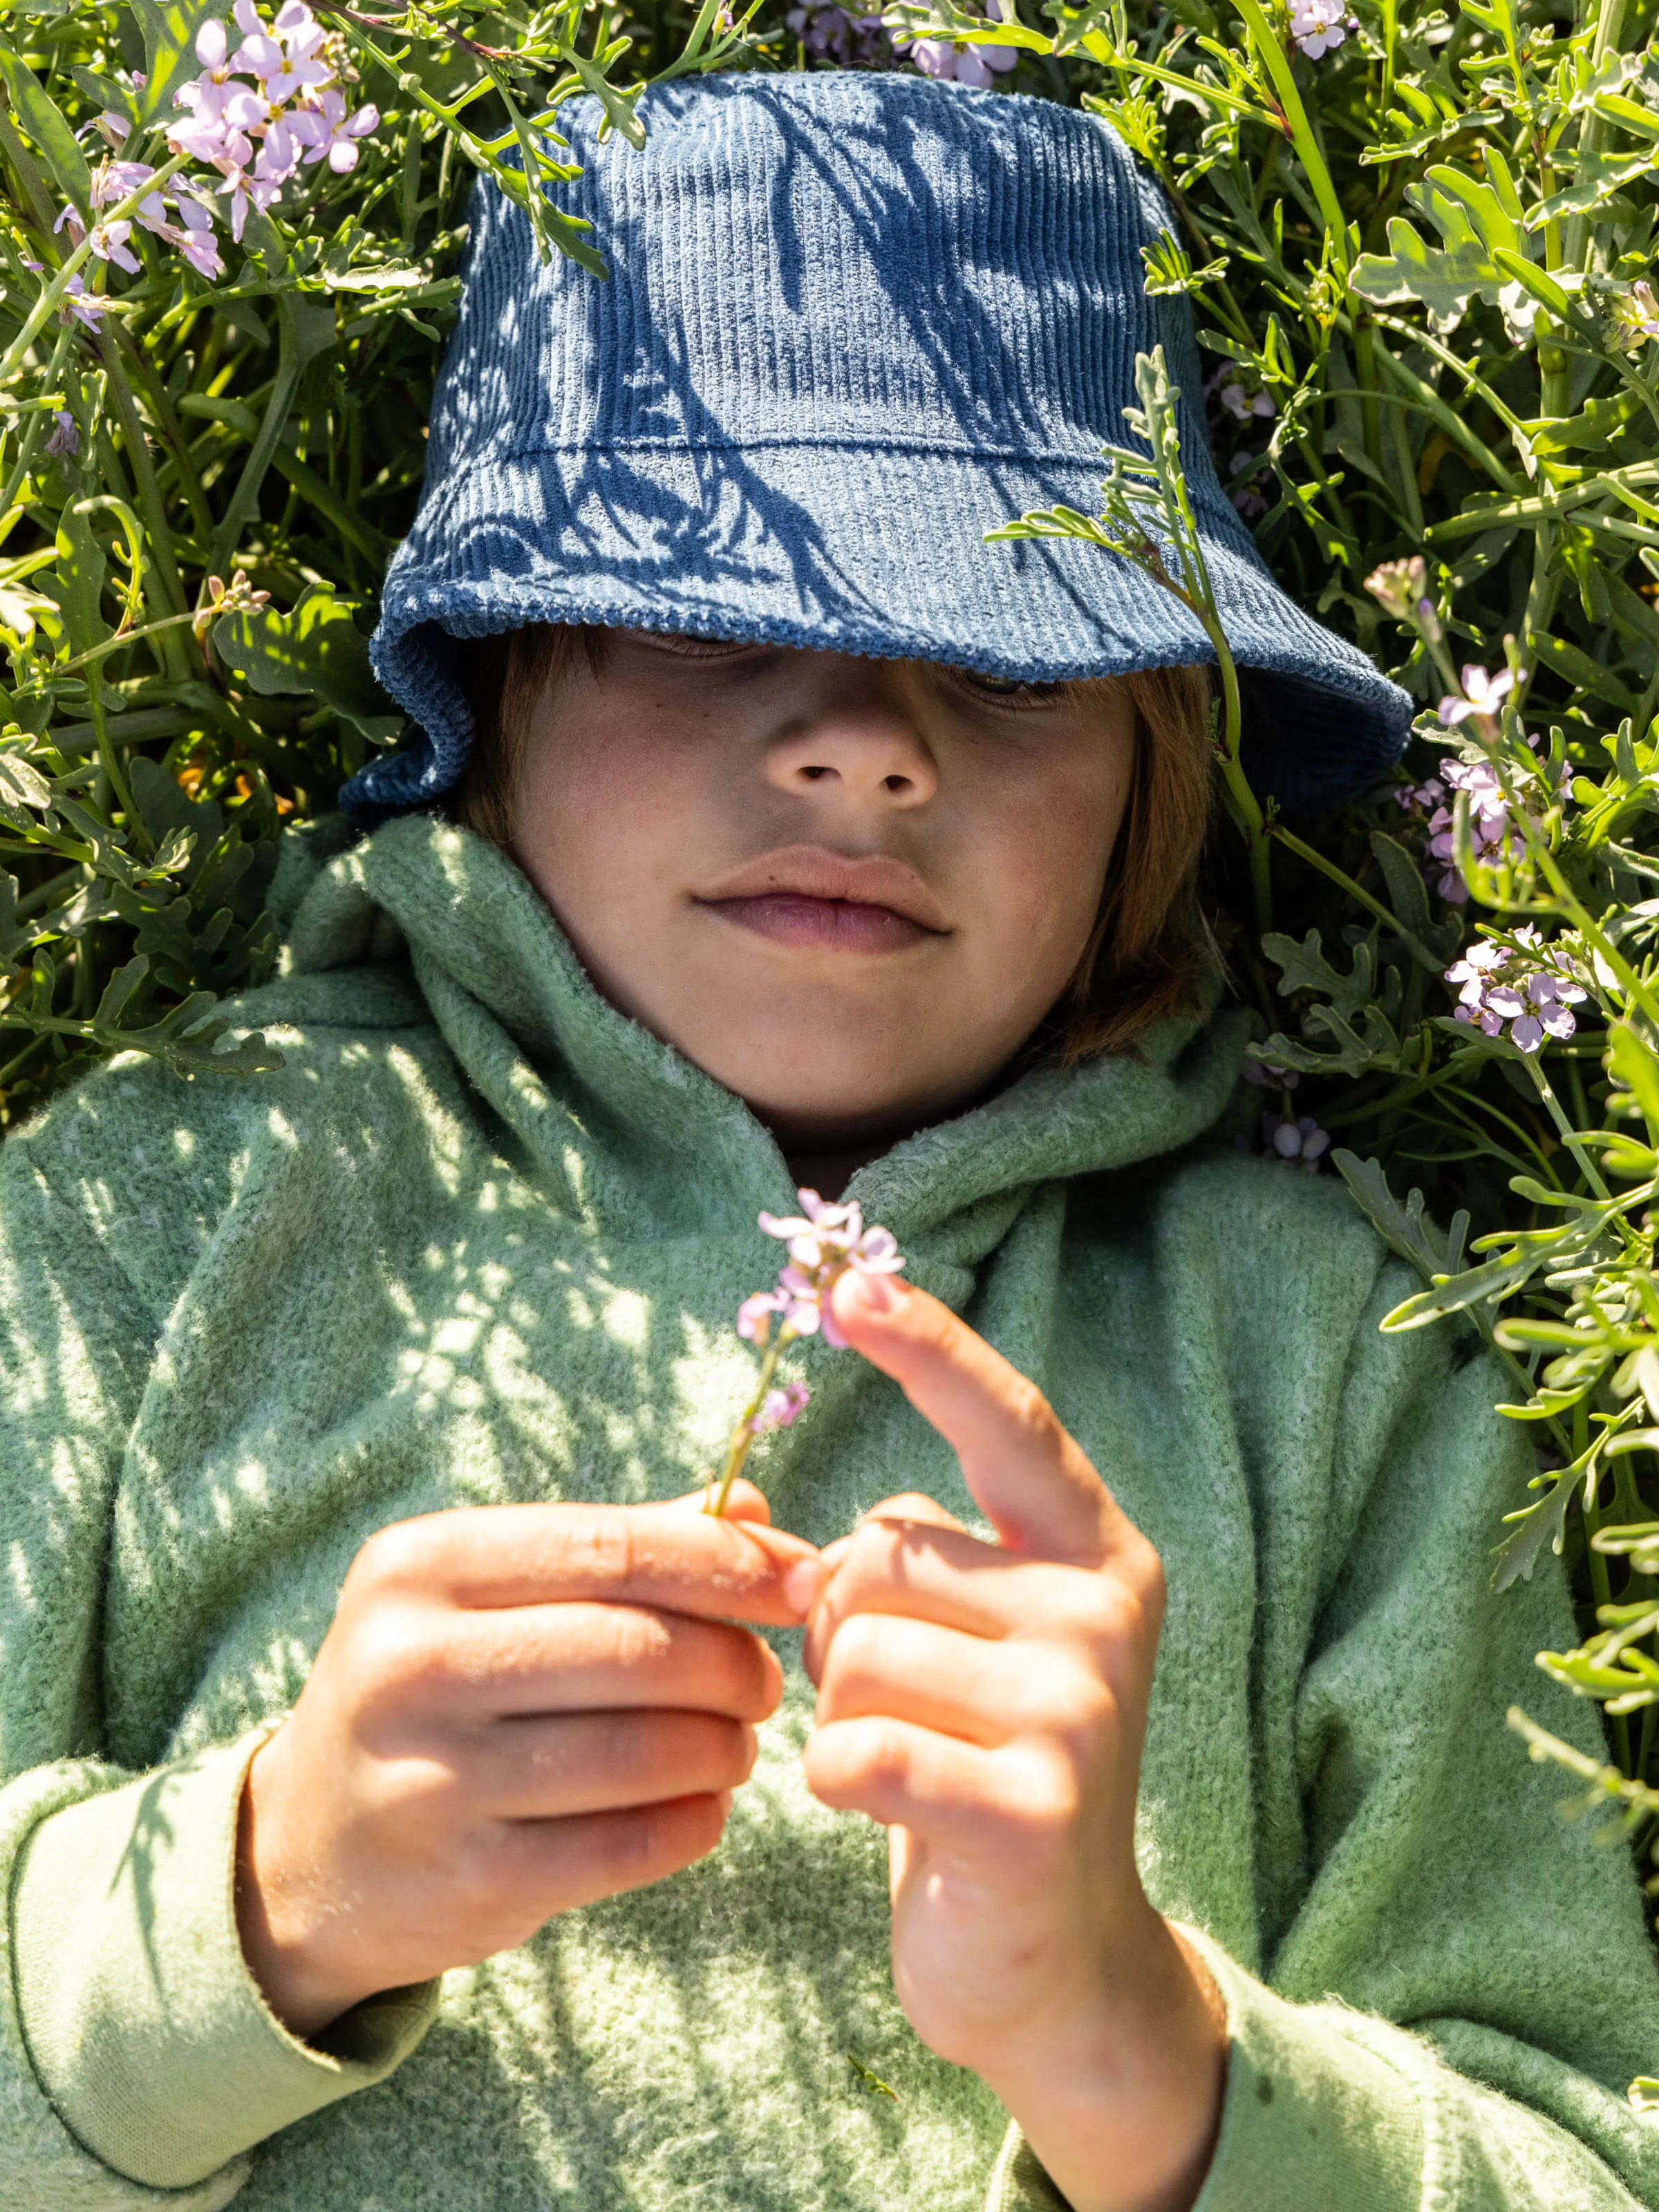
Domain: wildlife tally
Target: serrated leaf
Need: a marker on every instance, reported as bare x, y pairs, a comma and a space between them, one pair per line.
81, 566
1531, 1529
1443, 282
316, 650
1407, 1229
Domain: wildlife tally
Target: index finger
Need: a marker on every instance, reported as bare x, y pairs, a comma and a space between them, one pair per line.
1033, 1481
486, 1556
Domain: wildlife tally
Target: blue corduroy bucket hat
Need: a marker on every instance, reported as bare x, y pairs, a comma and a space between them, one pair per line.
854, 321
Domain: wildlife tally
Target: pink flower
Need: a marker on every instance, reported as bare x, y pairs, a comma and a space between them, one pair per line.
1320, 25
1482, 695
1499, 983
823, 1240
778, 1408
109, 243
194, 240
1242, 405
86, 308
755, 1314
327, 129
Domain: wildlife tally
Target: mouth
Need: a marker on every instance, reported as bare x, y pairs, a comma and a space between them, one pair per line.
807, 897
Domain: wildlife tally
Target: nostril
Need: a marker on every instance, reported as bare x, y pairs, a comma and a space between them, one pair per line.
896, 782
812, 774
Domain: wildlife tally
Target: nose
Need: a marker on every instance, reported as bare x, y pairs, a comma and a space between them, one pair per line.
865, 749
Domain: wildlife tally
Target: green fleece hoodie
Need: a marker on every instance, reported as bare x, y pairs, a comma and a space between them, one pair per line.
481, 1240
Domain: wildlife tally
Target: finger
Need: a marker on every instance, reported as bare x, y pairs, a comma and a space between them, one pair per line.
485, 1556
1032, 1481
958, 1686
912, 1505
558, 1865
744, 1502
944, 1790
577, 1763
946, 1576
583, 1657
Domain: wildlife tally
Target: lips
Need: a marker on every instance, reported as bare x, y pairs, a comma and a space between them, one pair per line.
805, 896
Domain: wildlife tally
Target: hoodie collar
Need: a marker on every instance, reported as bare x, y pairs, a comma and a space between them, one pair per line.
613, 1118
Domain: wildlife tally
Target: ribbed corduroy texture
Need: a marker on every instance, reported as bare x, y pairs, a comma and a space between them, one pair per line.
853, 322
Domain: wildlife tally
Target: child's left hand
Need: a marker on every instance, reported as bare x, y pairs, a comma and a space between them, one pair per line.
987, 1702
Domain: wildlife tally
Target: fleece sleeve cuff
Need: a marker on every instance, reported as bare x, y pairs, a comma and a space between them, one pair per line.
1311, 2118
148, 2032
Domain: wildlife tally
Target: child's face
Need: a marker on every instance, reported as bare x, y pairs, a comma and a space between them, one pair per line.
847, 888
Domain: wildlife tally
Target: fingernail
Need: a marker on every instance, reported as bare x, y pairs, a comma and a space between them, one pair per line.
877, 1293
800, 1587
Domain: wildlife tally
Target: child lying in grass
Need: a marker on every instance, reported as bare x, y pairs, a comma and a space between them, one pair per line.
415, 1799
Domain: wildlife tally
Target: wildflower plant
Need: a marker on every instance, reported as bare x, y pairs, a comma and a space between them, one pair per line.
1418, 241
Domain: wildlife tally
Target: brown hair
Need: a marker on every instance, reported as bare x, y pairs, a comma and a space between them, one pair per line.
1151, 945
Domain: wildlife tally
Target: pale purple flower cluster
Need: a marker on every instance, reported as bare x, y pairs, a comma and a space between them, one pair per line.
777, 1409
823, 1242
255, 114
1499, 984
1271, 1079
1319, 27
1492, 831
836, 34
974, 65
1300, 1140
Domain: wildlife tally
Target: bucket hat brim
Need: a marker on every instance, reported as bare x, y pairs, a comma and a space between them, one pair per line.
731, 443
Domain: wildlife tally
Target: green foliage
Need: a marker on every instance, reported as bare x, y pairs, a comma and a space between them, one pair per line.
1421, 264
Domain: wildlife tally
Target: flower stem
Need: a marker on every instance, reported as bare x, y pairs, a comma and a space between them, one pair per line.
743, 1436
1569, 1134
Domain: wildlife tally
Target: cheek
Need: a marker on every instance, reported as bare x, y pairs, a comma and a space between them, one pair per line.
1055, 844
598, 805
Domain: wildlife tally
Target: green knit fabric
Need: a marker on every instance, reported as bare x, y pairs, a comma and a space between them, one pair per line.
482, 1241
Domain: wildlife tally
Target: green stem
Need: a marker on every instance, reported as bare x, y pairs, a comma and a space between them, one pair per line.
1273, 60
116, 773
245, 499
114, 644
743, 1436
1586, 1167
1414, 945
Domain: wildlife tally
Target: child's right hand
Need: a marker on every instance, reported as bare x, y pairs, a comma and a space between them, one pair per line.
517, 1708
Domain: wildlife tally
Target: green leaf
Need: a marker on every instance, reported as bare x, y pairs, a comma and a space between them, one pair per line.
1542, 287
169, 28
1444, 282
1594, 422
80, 570
41, 118
1531, 1529
1406, 1229
317, 651
14, 935
1578, 668
1632, 1062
